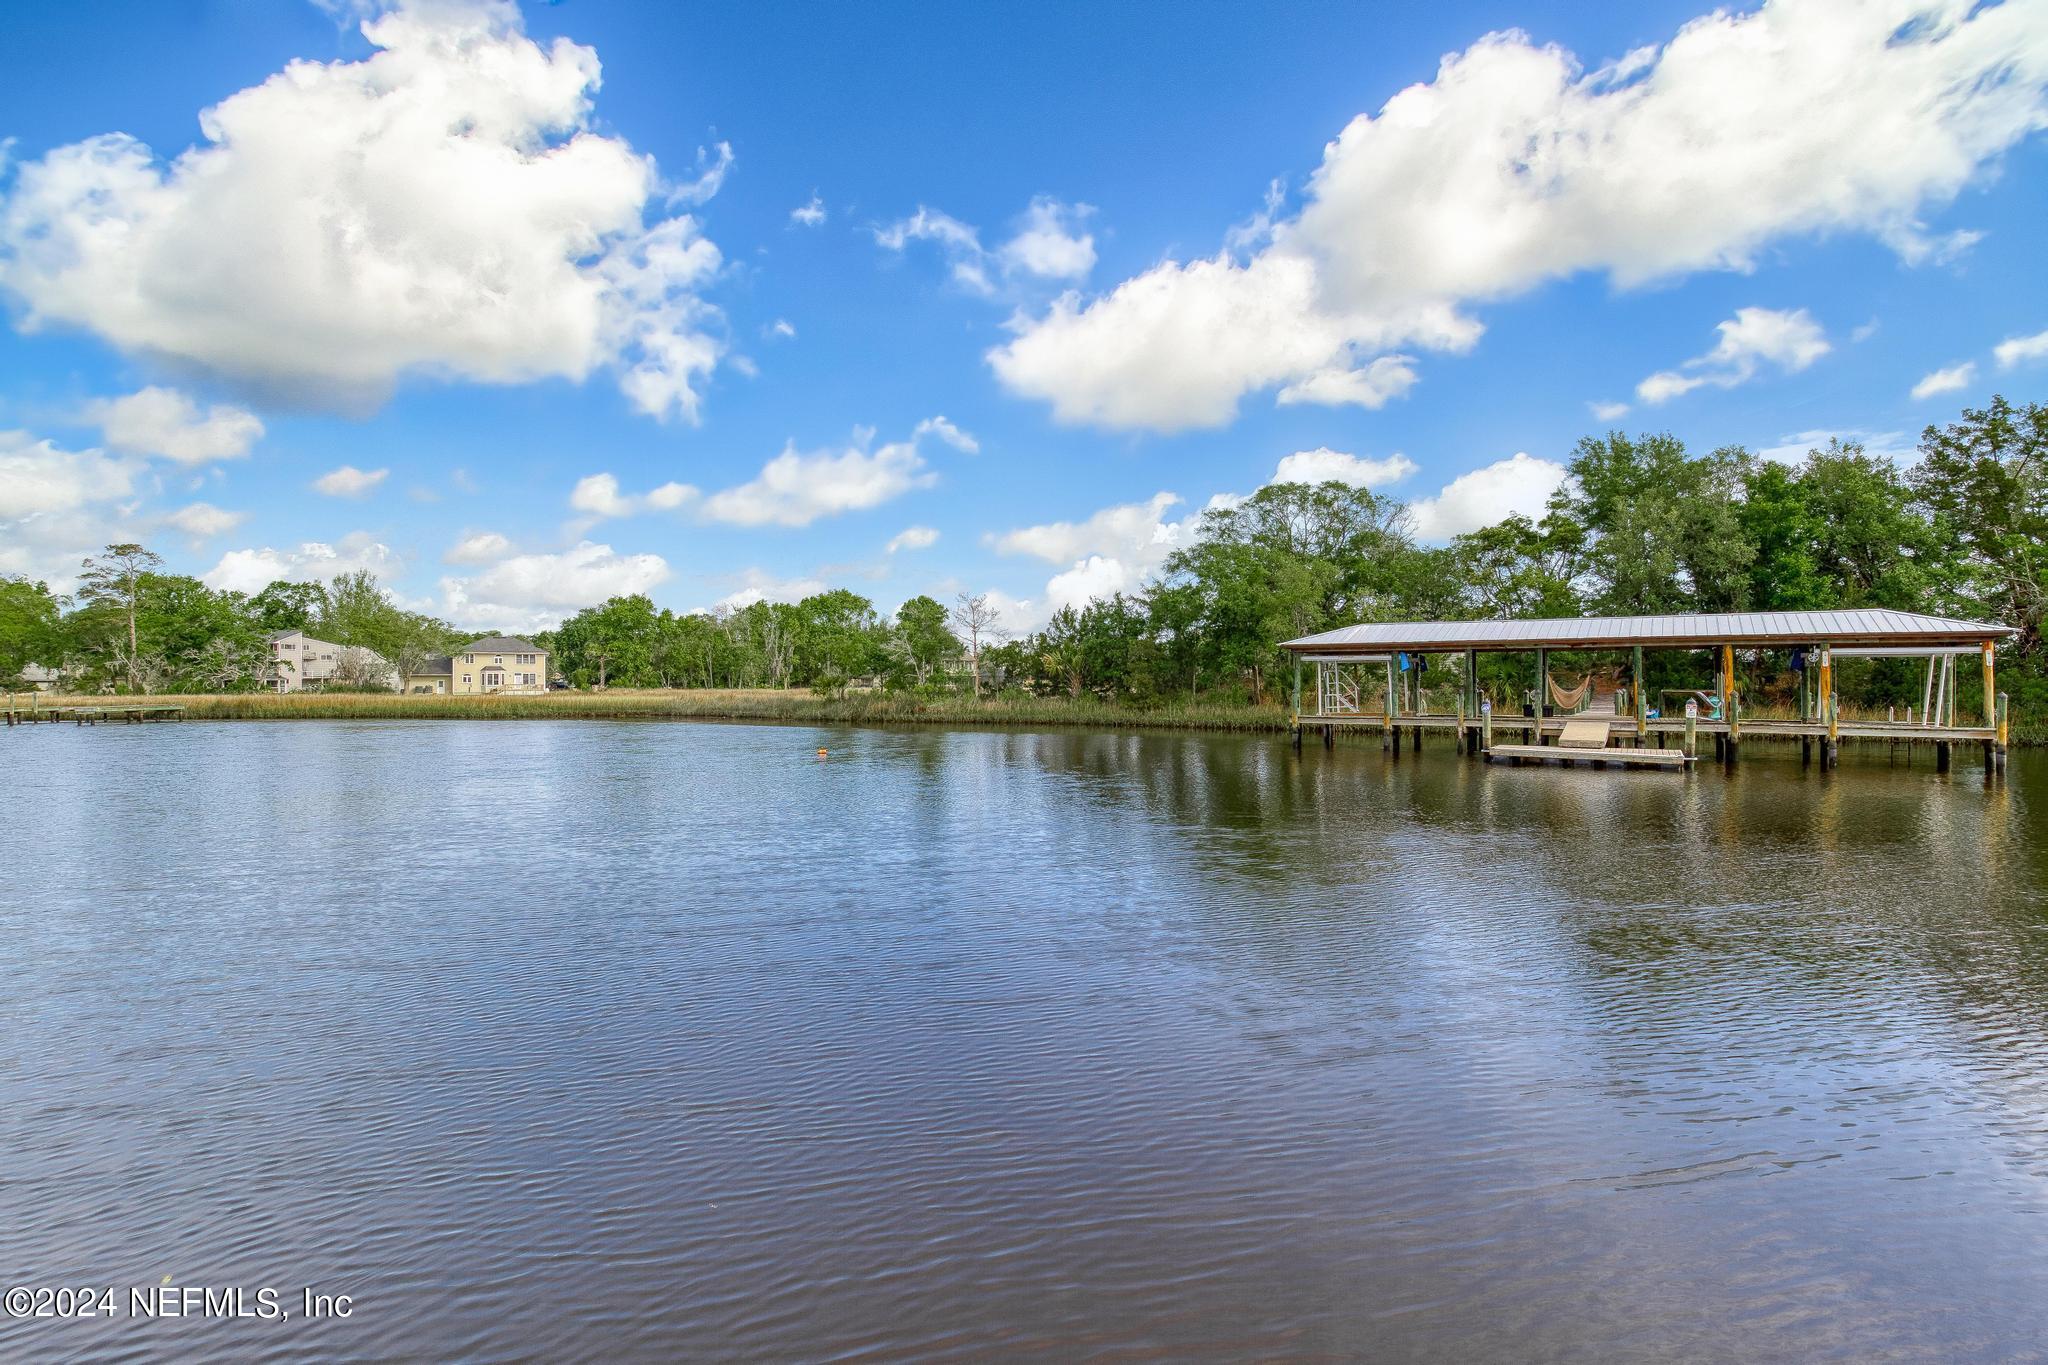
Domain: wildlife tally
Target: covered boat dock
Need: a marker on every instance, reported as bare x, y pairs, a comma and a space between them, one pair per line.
1370, 676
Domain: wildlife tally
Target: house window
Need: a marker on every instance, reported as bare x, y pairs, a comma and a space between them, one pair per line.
465, 677
500, 659
468, 659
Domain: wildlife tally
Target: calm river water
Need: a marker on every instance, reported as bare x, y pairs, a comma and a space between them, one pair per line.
595, 1040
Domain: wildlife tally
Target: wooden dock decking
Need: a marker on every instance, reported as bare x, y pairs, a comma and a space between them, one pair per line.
96, 714
1530, 738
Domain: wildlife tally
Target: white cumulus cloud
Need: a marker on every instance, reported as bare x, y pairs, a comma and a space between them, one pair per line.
1949, 379
478, 547
1324, 465
1607, 412
797, 487
251, 571
1787, 338
2018, 350
1135, 531
758, 585
1522, 483
1895, 446
203, 521
1516, 165
598, 495
36, 477
165, 422
960, 243
1048, 244
810, 213
350, 482
443, 207
912, 538
536, 590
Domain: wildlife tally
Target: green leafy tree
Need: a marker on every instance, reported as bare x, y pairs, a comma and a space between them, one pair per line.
924, 639
613, 643
1985, 481
1656, 530
1113, 644
289, 606
839, 638
31, 627
1060, 651
1514, 568
112, 581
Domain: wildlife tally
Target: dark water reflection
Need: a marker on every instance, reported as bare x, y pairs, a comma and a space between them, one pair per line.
590, 1040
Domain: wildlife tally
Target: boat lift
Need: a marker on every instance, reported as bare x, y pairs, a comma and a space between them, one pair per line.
1938, 692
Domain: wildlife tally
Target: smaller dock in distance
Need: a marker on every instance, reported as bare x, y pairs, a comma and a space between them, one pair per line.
94, 713
1371, 676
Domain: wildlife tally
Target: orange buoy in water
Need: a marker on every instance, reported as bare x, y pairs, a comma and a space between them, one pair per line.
823, 752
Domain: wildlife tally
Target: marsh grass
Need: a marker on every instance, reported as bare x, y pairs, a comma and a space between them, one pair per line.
805, 707
875, 708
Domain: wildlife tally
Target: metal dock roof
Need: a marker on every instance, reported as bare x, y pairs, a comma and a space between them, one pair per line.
1863, 626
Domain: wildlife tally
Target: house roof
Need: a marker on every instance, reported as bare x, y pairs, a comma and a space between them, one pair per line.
435, 665
502, 644
1678, 631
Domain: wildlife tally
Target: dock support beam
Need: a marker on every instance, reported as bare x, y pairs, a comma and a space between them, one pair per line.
1641, 700
1387, 715
1944, 754
1998, 751
1728, 703
1990, 687
1472, 699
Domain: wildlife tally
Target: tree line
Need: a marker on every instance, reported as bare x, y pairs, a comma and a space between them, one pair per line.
1641, 525
131, 627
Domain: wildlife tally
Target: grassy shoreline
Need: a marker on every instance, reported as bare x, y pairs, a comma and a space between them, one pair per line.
755, 704
763, 704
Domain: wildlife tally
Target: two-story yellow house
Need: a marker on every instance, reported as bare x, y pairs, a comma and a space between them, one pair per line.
496, 663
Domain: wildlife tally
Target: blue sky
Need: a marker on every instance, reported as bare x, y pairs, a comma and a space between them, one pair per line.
943, 298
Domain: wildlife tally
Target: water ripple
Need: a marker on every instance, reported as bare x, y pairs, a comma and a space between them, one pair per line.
592, 1041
